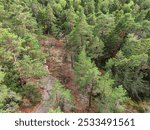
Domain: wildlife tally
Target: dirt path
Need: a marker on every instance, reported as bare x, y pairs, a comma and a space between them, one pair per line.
44, 106
61, 68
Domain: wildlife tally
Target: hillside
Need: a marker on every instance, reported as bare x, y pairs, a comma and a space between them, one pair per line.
74, 56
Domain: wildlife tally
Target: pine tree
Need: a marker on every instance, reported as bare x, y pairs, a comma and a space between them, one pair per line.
8, 99
60, 96
71, 18
105, 24
21, 21
89, 7
51, 20
86, 74
97, 87
108, 98
130, 66
95, 48
47, 19
80, 35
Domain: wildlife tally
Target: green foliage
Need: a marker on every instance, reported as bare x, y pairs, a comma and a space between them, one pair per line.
86, 76
86, 72
31, 92
114, 34
105, 24
71, 18
29, 67
8, 99
80, 35
10, 45
110, 99
95, 48
47, 19
59, 90
63, 3
130, 68
19, 18
99, 88
21, 57
57, 110
60, 96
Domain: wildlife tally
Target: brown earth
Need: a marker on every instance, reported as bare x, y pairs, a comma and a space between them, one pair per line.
60, 67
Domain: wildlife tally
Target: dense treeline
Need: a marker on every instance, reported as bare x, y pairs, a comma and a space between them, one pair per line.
20, 55
108, 41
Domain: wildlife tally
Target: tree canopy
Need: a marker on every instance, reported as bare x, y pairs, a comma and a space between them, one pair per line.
108, 42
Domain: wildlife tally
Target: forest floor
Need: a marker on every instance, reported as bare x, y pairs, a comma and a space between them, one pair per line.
61, 69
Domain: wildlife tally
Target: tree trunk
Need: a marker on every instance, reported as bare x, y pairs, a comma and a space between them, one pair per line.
90, 98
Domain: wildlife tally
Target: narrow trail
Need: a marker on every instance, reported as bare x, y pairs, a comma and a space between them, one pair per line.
60, 67
44, 106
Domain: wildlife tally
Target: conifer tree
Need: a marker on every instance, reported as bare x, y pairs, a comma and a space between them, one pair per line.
80, 35
86, 74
